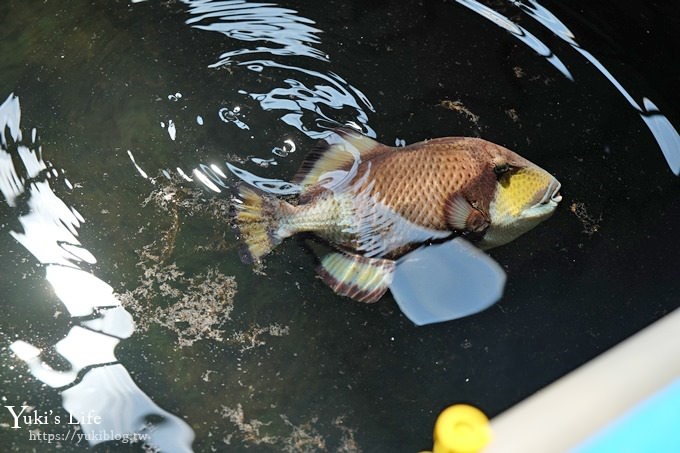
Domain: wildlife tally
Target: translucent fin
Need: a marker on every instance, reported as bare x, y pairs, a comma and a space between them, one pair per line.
446, 281
457, 211
361, 142
461, 215
338, 151
363, 279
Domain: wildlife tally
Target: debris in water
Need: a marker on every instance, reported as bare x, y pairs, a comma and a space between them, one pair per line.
457, 106
591, 225
304, 437
512, 114
194, 308
252, 338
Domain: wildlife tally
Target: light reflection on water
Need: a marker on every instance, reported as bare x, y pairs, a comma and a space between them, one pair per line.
519, 32
256, 22
311, 98
661, 128
105, 401
308, 93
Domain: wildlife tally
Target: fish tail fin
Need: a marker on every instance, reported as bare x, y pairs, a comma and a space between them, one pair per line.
258, 221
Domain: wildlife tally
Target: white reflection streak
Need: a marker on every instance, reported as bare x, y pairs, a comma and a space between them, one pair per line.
184, 175
275, 186
204, 179
519, 32
139, 169
50, 234
665, 134
172, 130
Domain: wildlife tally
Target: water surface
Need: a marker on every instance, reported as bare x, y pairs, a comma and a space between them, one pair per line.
141, 109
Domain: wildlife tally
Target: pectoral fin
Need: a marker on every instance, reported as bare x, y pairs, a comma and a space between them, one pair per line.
446, 281
361, 278
461, 215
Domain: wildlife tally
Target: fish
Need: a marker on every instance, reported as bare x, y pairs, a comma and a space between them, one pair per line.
374, 204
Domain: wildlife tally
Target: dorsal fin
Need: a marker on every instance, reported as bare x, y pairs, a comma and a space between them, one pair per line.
337, 151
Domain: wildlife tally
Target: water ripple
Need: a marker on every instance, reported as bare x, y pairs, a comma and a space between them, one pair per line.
106, 402
320, 96
257, 22
311, 100
661, 128
519, 32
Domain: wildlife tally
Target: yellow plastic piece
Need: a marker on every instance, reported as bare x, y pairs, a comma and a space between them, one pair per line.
461, 429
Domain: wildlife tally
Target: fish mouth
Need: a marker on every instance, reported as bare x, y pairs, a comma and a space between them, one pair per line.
552, 194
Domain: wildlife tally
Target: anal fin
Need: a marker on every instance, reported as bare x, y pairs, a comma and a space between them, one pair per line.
358, 277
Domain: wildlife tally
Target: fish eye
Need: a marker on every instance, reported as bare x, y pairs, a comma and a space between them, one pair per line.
501, 168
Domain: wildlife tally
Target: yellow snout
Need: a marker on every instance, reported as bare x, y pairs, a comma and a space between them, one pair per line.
524, 189
524, 198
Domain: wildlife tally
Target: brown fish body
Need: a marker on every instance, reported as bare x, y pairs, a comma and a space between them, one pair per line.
398, 198
375, 203
418, 180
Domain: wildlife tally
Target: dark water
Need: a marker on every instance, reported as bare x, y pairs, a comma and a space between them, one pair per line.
274, 361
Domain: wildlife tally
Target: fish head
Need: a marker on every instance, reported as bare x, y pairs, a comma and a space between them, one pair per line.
525, 196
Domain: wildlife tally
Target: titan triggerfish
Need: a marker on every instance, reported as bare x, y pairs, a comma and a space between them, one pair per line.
374, 203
